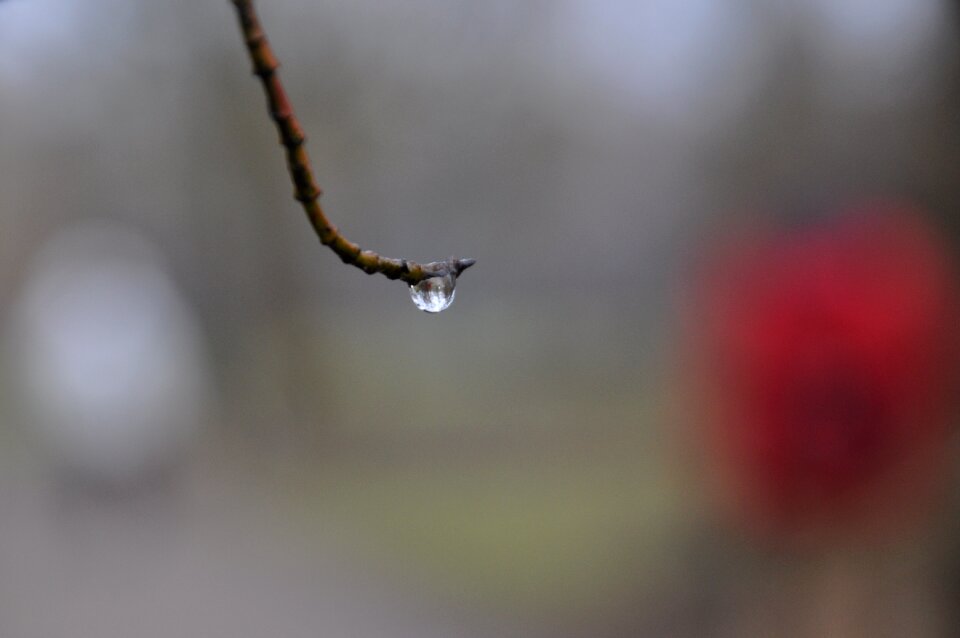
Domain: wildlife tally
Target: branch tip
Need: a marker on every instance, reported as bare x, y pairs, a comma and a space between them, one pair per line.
306, 191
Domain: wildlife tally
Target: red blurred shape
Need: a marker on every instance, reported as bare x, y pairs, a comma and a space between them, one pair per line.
832, 351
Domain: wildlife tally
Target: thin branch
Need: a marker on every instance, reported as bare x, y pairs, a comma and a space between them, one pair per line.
306, 190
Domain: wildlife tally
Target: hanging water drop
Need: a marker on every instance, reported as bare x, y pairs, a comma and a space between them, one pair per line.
434, 294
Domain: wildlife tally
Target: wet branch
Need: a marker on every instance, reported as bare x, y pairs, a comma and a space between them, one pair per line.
306, 190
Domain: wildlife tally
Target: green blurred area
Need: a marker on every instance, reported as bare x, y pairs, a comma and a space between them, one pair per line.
513, 465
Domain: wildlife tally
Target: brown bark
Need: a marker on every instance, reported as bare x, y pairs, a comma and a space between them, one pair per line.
306, 190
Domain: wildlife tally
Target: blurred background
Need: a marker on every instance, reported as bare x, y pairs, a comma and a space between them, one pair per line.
209, 426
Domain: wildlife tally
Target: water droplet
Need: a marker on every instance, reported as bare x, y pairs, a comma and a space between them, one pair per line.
434, 294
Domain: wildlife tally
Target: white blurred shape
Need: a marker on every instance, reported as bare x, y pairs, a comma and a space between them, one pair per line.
876, 50
29, 29
691, 63
108, 357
